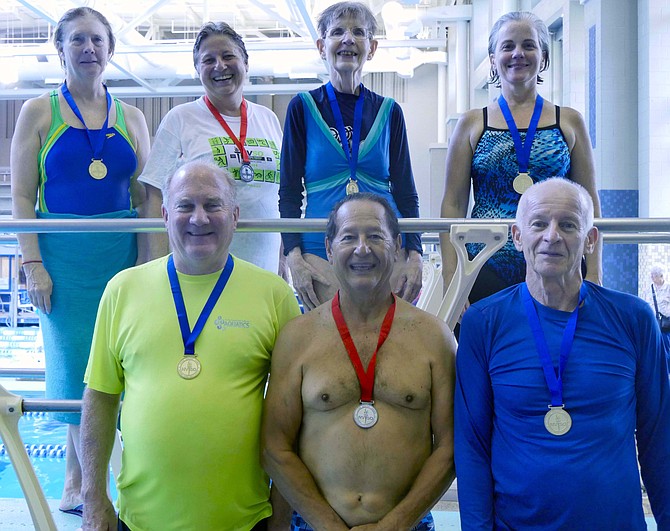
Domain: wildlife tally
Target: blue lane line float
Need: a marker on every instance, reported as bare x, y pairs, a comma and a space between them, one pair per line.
57, 451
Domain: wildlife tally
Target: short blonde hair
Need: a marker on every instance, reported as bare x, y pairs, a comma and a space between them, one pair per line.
196, 166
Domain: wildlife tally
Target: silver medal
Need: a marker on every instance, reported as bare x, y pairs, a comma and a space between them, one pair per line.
246, 172
557, 421
365, 415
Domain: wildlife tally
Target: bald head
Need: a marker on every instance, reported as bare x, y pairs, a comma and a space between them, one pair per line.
557, 187
197, 170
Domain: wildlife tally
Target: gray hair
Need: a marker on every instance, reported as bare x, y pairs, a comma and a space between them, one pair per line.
542, 35
656, 270
218, 28
356, 10
195, 167
390, 215
585, 199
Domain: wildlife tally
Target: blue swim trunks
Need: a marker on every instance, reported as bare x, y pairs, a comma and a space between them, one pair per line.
298, 524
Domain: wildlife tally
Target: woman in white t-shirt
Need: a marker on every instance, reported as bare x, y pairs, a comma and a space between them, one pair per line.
223, 128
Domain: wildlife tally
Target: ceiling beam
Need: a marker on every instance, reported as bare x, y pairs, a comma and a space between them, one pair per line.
141, 17
166, 91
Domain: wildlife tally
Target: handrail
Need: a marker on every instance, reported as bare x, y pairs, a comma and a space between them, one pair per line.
433, 238
21, 372
50, 405
633, 225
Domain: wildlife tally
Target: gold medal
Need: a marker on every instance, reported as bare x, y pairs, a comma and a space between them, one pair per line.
188, 367
365, 415
352, 187
557, 421
522, 182
97, 169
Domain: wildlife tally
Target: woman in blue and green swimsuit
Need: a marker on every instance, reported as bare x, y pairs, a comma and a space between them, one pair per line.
315, 161
76, 154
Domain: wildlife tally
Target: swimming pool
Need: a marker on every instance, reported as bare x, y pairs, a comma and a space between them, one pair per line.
46, 444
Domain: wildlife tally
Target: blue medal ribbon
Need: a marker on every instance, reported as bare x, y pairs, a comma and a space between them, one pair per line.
97, 141
189, 337
352, 155
522, 148
554, 381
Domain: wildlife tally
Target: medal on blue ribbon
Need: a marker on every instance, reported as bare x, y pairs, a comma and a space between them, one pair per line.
350, 154
523, 180
97, 168
557, 420
189, 366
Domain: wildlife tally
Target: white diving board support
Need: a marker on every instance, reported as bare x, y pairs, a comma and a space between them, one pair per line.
432, 284
493, 236
11, 409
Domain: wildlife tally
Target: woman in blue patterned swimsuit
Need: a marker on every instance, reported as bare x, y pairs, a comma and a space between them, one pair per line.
482, 150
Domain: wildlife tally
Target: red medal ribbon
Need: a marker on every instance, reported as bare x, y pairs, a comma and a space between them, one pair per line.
366, 378
239, 142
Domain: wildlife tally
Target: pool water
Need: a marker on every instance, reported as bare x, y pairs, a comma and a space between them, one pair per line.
37, 429
46, 442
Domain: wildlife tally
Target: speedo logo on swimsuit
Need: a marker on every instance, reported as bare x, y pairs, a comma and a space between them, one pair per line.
223, 324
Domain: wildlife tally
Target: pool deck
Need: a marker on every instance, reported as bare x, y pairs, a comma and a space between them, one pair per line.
15, 516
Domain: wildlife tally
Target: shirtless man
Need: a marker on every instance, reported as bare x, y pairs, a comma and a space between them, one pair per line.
339, 462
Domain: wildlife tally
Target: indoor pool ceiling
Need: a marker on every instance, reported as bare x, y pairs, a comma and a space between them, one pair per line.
155, 39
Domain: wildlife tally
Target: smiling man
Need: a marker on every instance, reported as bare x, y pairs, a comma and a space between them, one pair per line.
558, 379
358, 425
187, 338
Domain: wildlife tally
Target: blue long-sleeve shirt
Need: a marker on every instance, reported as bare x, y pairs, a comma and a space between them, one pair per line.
512, 473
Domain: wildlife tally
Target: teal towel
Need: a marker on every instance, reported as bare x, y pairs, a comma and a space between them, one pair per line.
80, 265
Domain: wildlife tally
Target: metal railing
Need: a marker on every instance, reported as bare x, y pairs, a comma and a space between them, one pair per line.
655, 227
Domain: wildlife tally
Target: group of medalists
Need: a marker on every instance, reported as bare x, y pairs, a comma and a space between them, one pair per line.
560, 387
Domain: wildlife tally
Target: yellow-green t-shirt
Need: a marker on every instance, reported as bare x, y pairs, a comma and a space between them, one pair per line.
191, 457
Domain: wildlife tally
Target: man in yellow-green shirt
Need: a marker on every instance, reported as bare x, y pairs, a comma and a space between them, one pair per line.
188, 339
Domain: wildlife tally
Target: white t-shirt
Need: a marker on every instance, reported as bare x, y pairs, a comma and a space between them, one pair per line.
189, 132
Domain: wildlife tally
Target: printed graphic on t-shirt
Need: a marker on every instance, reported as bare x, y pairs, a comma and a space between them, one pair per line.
336, 134
263, 156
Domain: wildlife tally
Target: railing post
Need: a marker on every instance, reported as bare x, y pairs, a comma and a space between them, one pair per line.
10, 413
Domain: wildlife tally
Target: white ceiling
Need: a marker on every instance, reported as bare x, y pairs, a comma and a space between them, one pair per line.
155, 39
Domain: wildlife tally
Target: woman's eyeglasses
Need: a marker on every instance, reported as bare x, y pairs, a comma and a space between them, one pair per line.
360, 34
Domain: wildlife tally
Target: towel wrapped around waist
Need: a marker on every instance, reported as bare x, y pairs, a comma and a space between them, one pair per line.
80, 265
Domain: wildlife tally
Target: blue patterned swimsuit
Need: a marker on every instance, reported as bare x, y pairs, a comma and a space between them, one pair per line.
494, 166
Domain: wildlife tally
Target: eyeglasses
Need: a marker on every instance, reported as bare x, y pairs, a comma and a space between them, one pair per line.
360, 34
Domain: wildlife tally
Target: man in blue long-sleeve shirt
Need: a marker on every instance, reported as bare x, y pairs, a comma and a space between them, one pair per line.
557, 378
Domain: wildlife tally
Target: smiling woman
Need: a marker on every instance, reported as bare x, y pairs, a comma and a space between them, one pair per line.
341, 139
517, 140
225, 129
